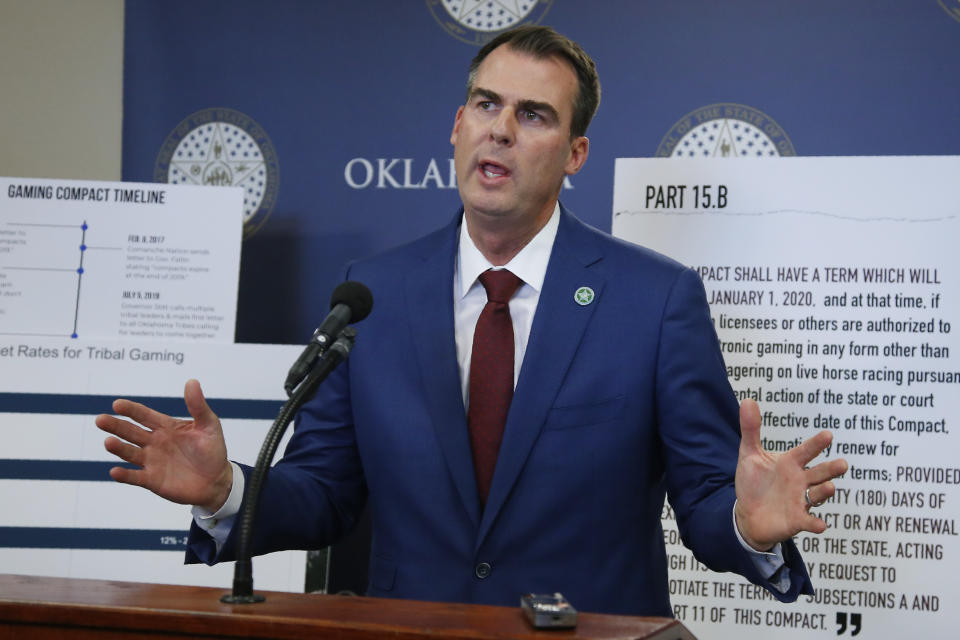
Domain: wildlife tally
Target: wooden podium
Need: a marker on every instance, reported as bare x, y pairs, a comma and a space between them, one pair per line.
32, 607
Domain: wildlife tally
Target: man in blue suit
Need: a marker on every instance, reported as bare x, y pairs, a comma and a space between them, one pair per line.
619, 397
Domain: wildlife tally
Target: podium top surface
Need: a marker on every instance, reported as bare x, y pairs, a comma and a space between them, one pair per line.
29, 602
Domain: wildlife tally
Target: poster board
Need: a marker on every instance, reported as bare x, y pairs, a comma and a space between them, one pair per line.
832, 285
63, 515
119, 260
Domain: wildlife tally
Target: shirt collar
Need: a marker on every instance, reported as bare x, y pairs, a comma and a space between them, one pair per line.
530, 265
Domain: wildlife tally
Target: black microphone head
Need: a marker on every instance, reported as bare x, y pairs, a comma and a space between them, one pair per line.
356, 296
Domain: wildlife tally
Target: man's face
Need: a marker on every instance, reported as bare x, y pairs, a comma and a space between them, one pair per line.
511, 140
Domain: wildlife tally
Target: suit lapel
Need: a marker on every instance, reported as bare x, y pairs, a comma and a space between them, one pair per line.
558, 327
434, 343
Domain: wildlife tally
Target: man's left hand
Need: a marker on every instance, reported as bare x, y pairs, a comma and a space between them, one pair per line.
776, 490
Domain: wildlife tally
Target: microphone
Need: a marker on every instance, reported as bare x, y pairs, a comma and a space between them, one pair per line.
351, 302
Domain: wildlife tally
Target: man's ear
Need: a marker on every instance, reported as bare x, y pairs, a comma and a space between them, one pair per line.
456, 125
579, 150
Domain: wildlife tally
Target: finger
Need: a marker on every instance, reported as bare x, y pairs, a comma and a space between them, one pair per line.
821, 493
143, 414
826, 471
122, 429
749, 427
810, 448
813, 524
124, 451
127, 476
197, 405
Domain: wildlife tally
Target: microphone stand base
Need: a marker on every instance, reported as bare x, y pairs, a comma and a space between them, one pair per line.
234, 599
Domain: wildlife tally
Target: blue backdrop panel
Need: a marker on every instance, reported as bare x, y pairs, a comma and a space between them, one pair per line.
349, 106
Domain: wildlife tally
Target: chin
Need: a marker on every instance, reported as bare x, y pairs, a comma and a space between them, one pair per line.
491, 210
490, 206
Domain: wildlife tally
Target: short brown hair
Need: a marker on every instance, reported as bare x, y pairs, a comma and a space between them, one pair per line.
544, 42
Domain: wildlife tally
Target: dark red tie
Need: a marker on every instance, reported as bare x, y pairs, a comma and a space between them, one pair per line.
491, 375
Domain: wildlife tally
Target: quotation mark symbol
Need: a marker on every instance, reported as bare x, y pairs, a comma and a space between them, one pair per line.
854, 623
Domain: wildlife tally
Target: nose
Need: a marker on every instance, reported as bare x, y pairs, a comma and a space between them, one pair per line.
502, 129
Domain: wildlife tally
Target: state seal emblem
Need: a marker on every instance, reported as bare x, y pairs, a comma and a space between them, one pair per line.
583, 296
952, 7
223, 147
480, 21
725, 130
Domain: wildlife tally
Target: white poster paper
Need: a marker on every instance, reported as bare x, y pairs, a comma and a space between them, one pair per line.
62, 514
833, 289
118, 260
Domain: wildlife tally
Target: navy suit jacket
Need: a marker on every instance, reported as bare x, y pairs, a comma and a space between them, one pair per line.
618, 403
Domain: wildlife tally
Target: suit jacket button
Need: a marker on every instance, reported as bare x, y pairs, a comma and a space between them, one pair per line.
482, 570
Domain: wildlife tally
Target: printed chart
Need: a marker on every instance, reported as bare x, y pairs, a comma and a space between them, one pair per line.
63, 515
118, 260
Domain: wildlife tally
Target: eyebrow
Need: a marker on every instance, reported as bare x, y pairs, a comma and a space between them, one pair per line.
528, 105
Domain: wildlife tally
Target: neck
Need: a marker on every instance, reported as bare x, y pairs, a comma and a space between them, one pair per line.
500, 238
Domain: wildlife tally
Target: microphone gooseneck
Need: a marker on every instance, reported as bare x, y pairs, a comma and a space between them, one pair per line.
351, 301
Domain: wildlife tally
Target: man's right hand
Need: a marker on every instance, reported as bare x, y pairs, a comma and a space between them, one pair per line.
181, 460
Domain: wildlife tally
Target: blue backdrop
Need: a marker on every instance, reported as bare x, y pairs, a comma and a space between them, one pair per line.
344, 109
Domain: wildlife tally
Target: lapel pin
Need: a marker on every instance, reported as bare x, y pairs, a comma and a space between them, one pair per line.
584, 296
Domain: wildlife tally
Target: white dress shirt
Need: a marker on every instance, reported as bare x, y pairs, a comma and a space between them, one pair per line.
469, 296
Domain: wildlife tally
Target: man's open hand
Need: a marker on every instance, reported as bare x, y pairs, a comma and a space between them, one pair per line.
776, 490
184, 461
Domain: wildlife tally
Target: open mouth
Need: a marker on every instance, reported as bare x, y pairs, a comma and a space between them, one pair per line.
492, 170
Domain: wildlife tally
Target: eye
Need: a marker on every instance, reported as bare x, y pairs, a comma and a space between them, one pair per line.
530, 116
485, 105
